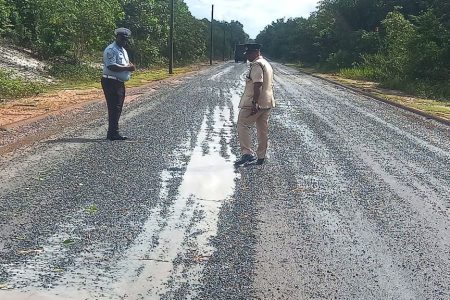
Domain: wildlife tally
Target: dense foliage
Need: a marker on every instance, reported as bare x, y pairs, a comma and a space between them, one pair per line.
402, 43
77, 29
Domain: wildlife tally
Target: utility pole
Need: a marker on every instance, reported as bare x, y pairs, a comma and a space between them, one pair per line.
211, 45
223, 48
231, 42
171, 37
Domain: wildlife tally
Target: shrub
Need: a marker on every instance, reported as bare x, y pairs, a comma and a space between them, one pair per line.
66, 70
362, 72
16, 88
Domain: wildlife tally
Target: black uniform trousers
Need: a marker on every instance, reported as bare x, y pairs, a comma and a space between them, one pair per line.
114, 91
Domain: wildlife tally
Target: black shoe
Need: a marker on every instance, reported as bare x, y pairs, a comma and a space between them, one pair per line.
116, 137
259, 162
256, 162
246, 158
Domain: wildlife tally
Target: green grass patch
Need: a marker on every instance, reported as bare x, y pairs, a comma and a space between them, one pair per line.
359, 73
435, 107
416, 87
86, 77
142, 77
74, 72
75, 76
12, 88
92, 209
432, 97
68, 242
425, 89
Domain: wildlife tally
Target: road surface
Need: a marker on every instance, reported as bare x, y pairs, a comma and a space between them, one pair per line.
353, 202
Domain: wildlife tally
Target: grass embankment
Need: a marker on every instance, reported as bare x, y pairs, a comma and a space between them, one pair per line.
431, 98
74, 77
11, 88
86, 77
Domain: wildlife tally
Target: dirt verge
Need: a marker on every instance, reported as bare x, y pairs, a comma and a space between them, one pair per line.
15, 113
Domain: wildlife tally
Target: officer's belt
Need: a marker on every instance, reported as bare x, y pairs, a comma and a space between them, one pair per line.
112, 77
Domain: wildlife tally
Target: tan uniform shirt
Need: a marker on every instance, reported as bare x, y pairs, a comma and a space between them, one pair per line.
260, 71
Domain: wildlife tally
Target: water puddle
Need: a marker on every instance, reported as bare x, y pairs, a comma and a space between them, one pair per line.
172, 249
11, 295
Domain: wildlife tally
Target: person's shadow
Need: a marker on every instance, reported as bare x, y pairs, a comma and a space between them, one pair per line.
77, 140
93, 140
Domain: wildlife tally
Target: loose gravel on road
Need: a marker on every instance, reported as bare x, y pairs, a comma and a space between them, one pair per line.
353, 202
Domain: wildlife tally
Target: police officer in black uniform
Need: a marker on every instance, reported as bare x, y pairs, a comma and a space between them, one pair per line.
116, 70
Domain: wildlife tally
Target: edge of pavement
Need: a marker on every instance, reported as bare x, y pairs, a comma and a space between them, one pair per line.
391, 102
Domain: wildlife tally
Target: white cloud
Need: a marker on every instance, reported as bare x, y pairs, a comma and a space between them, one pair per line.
254, 15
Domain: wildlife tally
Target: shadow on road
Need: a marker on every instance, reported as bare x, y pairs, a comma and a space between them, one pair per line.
77, 140
96, 140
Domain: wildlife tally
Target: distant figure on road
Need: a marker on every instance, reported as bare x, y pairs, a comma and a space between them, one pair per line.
255, 107
116, 70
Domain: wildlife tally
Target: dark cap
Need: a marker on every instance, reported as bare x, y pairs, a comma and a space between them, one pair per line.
252, 47
125, 32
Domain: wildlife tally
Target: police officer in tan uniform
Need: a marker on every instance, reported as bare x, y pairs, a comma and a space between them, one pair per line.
116, 70
255, 107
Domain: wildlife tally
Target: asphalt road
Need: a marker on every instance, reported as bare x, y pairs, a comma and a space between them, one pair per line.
353, 202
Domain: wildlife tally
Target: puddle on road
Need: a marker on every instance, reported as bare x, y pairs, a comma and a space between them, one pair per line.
171, 251
12, 295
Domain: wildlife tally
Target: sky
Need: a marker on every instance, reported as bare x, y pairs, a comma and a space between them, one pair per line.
253, 14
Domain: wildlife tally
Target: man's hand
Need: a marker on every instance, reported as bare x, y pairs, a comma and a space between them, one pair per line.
117, 68
131, 67
257, 87
255, 108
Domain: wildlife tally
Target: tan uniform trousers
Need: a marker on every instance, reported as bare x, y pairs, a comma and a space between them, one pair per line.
244, 126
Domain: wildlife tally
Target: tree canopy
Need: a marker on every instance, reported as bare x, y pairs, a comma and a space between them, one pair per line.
76, 29
393, 40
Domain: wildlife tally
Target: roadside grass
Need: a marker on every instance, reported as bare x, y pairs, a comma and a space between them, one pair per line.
439, 91
435, 107
361, 73
93, 75
12, 88
75, 77
421, 88
142, 77
428, 97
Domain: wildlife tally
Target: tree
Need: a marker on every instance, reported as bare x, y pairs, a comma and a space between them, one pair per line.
62, 26
5, 12
23, 21
148, 22
189, 41
397, 42
428, 48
